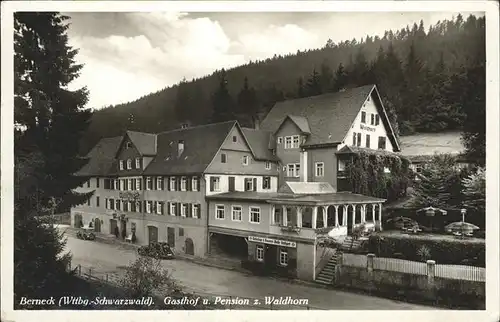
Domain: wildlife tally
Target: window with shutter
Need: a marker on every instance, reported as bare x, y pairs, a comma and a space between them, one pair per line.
254, 184
178, 208
198, 211
189, 184
359, 140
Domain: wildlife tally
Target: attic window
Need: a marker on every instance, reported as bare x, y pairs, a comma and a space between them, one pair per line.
184, 126
235, 138
128, 145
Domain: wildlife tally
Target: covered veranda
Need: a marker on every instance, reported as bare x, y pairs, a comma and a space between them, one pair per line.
340, 211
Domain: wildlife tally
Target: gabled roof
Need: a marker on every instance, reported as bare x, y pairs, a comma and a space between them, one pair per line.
306, 188
201, 144
145, 143
301, 123
329, 116
101, 157
261, 143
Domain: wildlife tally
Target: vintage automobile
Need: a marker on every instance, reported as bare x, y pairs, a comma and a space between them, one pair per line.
86, 233
159, 250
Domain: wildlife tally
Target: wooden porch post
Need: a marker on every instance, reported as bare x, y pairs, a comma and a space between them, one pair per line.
314, 217
345, 214
373, 213
285, 216
325, 217
299, 216
380, 215
336, 215
353, 215
363, 213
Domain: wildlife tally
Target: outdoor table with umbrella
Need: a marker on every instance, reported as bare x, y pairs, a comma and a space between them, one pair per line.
461, 228
431, 212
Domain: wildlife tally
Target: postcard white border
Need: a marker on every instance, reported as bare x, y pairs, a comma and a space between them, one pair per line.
492, 237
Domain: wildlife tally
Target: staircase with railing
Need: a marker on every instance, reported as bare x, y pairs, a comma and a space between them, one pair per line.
327, 274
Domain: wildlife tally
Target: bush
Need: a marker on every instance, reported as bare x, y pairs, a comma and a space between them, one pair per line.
443, 251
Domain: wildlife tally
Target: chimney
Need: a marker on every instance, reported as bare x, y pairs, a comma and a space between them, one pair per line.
180, 148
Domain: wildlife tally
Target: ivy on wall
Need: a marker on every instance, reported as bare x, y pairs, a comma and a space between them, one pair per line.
366, 175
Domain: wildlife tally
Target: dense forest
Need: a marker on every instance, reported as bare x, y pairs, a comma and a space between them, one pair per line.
428, 78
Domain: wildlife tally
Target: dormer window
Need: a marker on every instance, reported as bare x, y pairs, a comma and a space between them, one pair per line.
180, 147
296, 141
121, 164
129, 164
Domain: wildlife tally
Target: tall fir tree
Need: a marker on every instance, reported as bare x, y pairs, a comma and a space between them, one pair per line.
313, 84
248, 105
182, 102
222, 102
340, 79
49, 122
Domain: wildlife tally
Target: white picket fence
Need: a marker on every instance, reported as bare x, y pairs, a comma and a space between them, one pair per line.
399, 265
460, 272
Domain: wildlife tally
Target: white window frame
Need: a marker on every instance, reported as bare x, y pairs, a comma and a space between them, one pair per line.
295, 141
129, 206
159, 208
172, 208
285, 253
137, 163
234, 209
138, 183
250, 212
138, 206
217, 208
158, 181
184, 210
252, 188
288, 142
129, 184
268, 165
183, 183
245, 160
148, 207
341, 166
270, 182
319, 166
129, 164
293, 170
194, 183
259, 253
280, 140
216, 183
172, 183
121, 164
277, 210
194, 209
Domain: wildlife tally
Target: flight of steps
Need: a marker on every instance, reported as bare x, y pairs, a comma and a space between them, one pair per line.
327, 274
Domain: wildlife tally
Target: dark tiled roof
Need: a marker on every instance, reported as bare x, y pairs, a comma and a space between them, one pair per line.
301, 123
101, 158
145, 143
261, 143
201, 144
329, 116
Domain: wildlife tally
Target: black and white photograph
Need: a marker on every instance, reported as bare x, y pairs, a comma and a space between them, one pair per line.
169, 157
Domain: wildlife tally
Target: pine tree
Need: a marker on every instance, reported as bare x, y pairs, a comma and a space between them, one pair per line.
50, 120
313, 84
182, 102
247, 103
301, 92
222, 102
341, 78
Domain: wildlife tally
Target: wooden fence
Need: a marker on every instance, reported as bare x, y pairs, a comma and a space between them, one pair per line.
460, 272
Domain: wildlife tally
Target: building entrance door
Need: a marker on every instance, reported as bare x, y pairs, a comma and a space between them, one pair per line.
270, 256
112, 226
171, 236
97, 225
152, 234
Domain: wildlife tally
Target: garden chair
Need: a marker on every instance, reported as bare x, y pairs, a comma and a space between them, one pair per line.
128, 239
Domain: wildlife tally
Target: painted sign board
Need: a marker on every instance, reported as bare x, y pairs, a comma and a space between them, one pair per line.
272, 241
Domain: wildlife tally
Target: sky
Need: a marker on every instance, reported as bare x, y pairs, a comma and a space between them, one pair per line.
129, 55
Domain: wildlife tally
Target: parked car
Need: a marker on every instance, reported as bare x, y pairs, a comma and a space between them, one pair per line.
85, 233
157, 250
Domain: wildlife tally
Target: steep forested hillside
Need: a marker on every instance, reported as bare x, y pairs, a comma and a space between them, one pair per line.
428, 78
